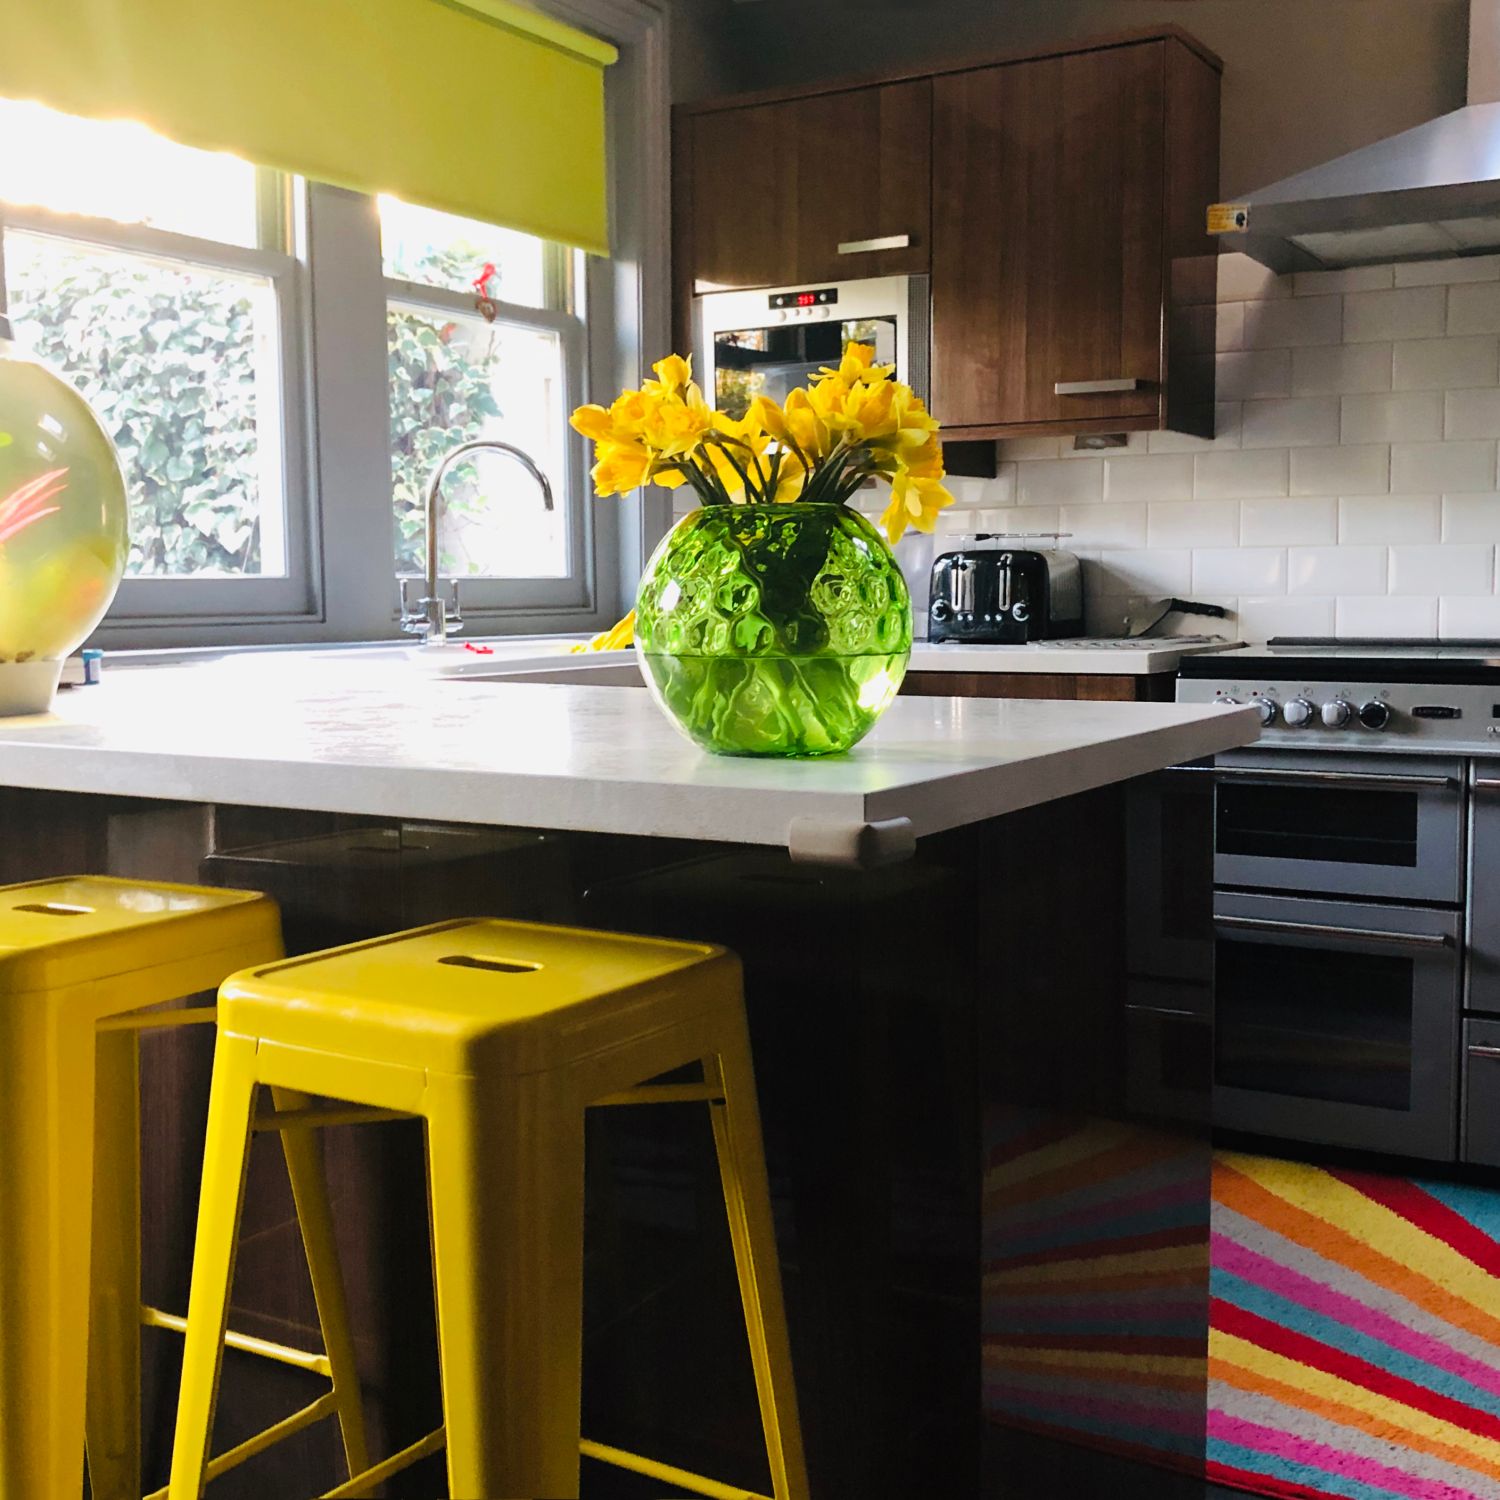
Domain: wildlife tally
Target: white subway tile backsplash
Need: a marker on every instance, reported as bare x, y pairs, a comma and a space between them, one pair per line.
1259, 619
1473, 414
1355, 279
1474, 308
1410, 619
1442, 570
1337, 570
1445, 364
1340, 369
1471, 618
1440, 272
1030, 518
1104, 525
1291, 421
1436, 468
1193, 523
1385, 520
1159, 476
1239, 570
1231, 476
1363, 470
1229, 331
1159, 571
1244, 280
1254, 372
1293, 322
1406, 313
1471, 518
1060, 481
1405, 417
1227, 417
1306, 520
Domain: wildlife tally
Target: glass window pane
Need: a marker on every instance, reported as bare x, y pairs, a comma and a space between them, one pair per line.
117, 170
182, 366
438, 249
456, 378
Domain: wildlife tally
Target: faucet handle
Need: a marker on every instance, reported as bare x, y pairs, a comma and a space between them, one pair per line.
413, 615
453, 614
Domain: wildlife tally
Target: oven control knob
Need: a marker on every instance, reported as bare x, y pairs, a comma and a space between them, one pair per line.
1337, 713
1374, 714
1266, 708
1298, 713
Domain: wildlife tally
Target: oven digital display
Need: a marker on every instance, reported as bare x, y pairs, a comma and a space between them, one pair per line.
823, 297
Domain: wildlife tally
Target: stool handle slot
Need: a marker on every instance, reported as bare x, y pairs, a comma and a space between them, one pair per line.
54, 909
491, 965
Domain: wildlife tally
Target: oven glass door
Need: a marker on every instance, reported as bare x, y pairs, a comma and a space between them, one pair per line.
1337, 1022
774, 361
1390, 827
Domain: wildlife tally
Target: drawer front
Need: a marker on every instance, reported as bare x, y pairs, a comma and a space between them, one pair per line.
1482, 1093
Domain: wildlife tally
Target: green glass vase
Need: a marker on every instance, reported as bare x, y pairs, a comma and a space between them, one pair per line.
774, 629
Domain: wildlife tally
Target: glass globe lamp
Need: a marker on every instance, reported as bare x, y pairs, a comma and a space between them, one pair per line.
63, 526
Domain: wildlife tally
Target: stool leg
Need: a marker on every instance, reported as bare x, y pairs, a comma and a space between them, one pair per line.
114, 1386
226, 1151
747, 1199
506, 1173
304, 1166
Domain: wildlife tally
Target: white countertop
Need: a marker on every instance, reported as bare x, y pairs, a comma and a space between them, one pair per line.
1125, 658
286, 730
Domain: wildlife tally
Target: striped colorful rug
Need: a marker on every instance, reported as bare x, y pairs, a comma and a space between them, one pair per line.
1355, 1340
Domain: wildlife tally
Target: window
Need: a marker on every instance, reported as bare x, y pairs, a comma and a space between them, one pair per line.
484, 340
206, 307
159, 280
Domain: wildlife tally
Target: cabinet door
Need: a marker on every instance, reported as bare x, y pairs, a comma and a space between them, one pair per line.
776, 189
1048, 238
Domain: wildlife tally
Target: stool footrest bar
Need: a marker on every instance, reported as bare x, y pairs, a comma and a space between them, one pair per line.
683, 1479
324, 1406
663, 1093
360, 1483
320, 1118
301, 1359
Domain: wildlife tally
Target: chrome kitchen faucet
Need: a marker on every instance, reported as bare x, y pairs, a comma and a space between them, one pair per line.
433, 616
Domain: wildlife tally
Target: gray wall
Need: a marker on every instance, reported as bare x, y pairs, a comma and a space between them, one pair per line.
1304, 80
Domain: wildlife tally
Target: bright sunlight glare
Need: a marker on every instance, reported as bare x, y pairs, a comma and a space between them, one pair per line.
123, 171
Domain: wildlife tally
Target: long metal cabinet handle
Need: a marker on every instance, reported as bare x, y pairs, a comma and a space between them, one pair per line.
1486, 784
1478, 1051
1411, 940
881, 242
1095, 387
1376, 780
1165, 1010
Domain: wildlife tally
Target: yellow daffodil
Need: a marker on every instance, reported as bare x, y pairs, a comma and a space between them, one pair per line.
914, 502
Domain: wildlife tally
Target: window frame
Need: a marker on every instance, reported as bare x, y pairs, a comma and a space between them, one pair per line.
333, 322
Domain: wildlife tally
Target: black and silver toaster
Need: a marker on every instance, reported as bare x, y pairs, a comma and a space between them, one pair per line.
994, 593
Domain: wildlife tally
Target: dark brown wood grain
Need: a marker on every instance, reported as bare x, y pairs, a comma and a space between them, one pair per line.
773, 194
1057, 686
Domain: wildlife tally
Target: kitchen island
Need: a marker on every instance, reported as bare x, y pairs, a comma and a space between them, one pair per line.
934, 932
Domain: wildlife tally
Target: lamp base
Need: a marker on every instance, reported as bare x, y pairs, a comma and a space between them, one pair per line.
28, 687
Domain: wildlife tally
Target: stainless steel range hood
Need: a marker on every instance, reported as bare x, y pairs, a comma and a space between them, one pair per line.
1429, 192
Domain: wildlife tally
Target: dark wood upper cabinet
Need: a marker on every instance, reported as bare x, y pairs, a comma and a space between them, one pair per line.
780, 193
1057, 200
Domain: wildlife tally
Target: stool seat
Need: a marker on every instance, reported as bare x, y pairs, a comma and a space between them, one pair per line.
509, 997
499, 1036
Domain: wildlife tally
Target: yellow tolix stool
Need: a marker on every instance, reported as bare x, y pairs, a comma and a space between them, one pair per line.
80, 960
499, 1035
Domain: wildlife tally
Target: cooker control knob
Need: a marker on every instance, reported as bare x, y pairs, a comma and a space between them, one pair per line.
1374, 714
1266, 708
1298, 713
1337, 713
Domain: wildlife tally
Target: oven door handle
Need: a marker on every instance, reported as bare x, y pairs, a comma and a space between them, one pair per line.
1413, 942
1486, 784
1475, 1050
1373, 780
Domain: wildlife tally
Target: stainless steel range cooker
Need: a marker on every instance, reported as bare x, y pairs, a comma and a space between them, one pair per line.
1353, 940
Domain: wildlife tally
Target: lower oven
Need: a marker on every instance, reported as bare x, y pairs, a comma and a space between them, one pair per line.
1384, 826
1338, 1022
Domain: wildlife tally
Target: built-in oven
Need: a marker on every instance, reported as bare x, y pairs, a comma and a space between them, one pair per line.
1384, 826
768, 342
1338, 1022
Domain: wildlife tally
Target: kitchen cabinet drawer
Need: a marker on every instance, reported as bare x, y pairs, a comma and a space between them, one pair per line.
1482, 1093
1073, 286
807, 190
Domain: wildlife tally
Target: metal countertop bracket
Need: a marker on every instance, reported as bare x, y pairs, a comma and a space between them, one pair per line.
857, 846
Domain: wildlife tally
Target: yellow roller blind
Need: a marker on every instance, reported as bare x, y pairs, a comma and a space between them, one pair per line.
482, 108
